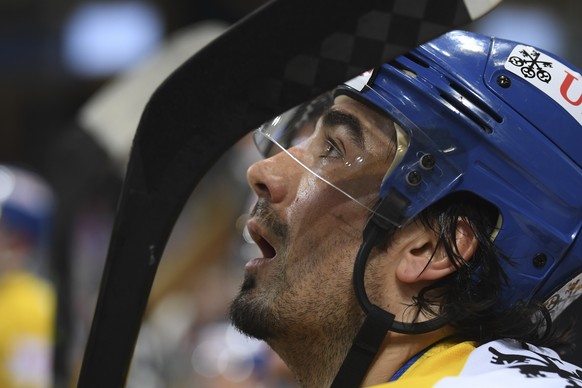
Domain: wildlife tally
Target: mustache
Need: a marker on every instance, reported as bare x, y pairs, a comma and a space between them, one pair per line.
267, 216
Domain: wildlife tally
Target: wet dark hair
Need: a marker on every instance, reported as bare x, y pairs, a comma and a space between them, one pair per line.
471, 295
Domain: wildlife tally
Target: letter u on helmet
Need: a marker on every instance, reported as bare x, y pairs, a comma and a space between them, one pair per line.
503, 121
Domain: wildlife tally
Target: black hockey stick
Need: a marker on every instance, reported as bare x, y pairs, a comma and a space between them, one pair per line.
281, 55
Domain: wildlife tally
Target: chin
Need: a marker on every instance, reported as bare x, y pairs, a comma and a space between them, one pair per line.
249, 314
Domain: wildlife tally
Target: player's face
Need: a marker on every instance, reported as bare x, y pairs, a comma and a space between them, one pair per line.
308, 231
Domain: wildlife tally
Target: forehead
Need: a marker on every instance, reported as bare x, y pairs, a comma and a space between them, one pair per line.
378, 128
355, 107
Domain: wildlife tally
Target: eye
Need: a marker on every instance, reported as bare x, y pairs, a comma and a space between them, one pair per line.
331, 149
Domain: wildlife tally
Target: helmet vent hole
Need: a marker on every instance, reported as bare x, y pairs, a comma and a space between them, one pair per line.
417, 60
404, 69
467, 111
478, 102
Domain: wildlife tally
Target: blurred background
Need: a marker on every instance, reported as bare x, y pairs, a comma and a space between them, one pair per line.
74, 77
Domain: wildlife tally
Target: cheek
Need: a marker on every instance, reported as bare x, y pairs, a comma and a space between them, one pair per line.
318, 206
321, 261
308, 190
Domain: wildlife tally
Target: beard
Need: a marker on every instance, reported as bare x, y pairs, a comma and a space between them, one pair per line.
252, 312
250, 315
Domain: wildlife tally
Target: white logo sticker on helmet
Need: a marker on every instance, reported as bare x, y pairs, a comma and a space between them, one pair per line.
360, 82
558, 81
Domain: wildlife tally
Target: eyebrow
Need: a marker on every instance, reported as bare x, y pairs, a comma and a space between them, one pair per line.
336, 118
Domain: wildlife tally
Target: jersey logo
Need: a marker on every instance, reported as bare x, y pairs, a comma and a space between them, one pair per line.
563, 297
540, 365
558, 81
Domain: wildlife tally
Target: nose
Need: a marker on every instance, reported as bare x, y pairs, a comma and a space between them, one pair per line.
268, 179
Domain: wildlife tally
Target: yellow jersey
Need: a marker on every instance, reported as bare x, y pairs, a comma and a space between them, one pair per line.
27, 314
501, 363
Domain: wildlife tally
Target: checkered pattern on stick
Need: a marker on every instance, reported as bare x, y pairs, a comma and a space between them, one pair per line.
391, 29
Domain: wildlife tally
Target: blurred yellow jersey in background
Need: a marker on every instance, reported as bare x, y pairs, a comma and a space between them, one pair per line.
27, 315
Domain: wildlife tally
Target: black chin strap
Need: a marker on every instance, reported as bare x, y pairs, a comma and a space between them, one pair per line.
375, 326
364, 349
378, 322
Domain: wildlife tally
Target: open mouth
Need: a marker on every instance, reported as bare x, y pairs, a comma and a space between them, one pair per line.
267, 250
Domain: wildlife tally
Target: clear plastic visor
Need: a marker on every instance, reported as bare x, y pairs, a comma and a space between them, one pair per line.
345, 143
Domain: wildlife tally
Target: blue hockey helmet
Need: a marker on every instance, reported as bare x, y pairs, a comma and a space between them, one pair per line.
495, 118
503, 121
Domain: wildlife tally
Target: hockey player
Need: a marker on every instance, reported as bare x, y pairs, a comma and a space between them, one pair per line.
453, 176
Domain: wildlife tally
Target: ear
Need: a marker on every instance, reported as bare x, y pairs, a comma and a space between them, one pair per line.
423, 259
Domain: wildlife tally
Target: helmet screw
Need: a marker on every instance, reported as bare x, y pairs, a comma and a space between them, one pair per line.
427, 161
413, 178
540, 260
504, 81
